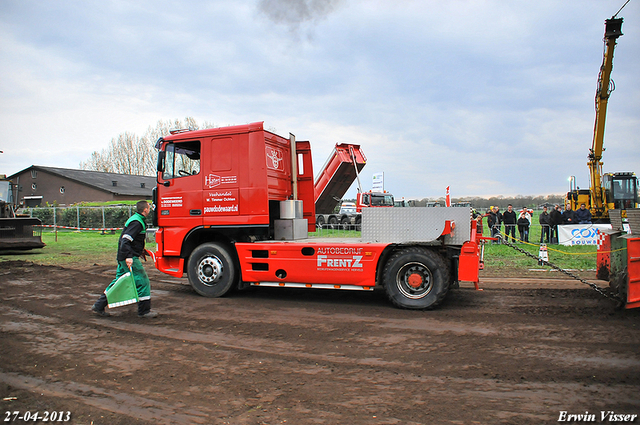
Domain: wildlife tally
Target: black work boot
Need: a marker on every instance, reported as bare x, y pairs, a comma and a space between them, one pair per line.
98, 307
144, 310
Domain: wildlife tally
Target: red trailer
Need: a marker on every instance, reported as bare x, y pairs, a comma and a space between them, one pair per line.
234, 205
336, 176
334, 179
619, 256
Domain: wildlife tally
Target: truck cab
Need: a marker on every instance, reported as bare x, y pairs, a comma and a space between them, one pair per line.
374, 199
348, 208
234, 205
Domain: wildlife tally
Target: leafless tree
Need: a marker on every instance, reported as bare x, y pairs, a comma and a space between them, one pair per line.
131, 154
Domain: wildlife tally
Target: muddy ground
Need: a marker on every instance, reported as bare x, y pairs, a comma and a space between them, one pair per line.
520, 352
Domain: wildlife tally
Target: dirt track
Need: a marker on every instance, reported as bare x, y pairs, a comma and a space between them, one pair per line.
519, 352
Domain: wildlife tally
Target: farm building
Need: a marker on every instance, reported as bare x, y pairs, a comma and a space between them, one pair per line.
39, 186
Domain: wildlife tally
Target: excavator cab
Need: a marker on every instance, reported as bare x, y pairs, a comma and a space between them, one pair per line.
621, 190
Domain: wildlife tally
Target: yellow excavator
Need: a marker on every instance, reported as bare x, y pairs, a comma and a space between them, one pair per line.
609, 190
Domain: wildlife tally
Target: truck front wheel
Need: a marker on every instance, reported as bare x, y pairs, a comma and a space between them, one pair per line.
416, 278
211, 270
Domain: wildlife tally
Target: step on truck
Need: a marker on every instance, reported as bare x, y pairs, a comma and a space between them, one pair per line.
234, 206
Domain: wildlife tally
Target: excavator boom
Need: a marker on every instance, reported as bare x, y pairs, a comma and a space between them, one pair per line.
613, 30
606, 190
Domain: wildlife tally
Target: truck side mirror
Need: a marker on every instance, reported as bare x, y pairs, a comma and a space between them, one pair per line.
160, 166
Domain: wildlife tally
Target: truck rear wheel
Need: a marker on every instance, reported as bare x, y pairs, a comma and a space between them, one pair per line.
333, 222
416, 278
211, 270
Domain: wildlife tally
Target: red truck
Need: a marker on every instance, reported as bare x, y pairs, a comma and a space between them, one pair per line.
234, 206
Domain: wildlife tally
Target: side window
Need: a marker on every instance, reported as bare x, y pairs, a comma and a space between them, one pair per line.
181, 160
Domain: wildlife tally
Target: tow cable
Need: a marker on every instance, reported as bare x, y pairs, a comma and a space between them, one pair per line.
595, 287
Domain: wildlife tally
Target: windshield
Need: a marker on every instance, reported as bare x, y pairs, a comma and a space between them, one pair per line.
624, 188
381, 200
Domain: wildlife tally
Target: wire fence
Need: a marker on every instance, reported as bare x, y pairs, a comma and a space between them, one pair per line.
83, 218
337, 231
538, 233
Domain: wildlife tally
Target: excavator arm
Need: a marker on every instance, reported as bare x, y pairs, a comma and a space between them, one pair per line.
613, 30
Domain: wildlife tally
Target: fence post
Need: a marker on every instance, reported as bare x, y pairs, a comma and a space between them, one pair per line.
78, 216
55, 227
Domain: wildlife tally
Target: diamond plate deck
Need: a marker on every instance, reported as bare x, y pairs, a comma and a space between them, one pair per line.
415, 224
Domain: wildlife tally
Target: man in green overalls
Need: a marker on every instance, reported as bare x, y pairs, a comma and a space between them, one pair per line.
130, 248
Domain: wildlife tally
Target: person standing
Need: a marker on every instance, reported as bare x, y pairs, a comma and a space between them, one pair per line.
569, 216
130, 249
498, 220
491, 222
555, 219
523, 226
510, 218
477, 217
544, 221
583, 215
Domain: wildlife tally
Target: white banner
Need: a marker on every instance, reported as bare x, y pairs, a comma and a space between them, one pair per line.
378, 183
580, 234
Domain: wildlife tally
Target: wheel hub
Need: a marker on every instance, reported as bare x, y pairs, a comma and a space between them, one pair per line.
210, 270
414, 280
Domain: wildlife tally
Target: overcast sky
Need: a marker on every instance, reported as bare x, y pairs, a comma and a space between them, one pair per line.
487, 97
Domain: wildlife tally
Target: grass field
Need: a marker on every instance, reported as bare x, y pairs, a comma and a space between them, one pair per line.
74, 249
80, 249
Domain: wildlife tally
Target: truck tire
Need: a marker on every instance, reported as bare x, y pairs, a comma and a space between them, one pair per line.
346, 222
416, 278
211, 270
333, 222
320, 221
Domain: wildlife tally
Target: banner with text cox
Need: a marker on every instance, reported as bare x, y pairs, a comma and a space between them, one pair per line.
580, 234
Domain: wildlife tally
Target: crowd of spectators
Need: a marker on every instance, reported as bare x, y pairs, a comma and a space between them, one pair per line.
549, 221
